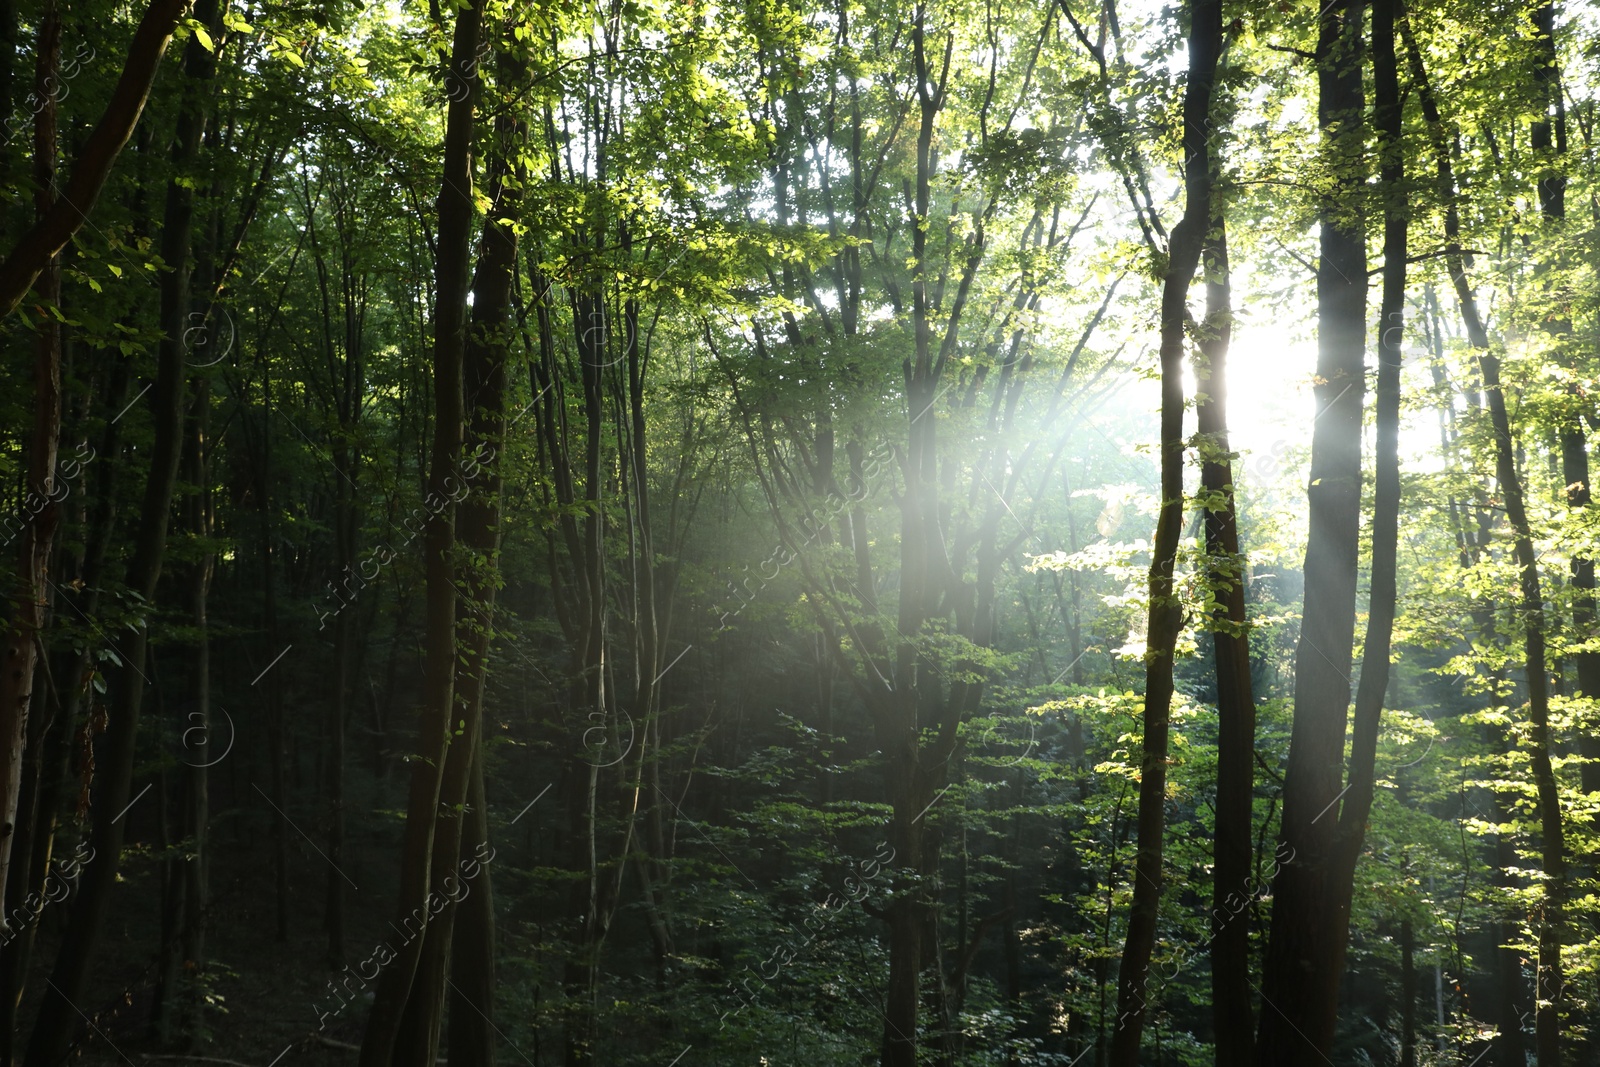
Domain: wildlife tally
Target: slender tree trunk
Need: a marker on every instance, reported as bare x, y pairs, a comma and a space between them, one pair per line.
273, 685
1575, 476
57, 1012
1301, 977
590, 692
1549, 142
198, 752
1549, 920
178, 1001
42, 516
1233, 1018
183, 882
347, 387
52, 759
171, 883
580, 609
1012, 945
478, 533
417, 901
910, 785
23, 642
1165, 621
1374, 683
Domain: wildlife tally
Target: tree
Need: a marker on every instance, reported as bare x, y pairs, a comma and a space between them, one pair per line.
1189, 239
51, 1033
418, 903
1302, 967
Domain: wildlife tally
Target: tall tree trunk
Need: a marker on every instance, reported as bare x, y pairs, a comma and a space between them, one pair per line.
579, 600
49, 761
30, 846
178, 1009
1301, 978
379, 1048
1166, 618
910, 784
178, 1001
1374, 683
199, 755
1549, 920
273, 697
478, 533
57, 1013
25, 634
1233, 1018
1549, 142
345, 361
202, 520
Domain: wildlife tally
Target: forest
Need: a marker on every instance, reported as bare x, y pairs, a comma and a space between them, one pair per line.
774, 533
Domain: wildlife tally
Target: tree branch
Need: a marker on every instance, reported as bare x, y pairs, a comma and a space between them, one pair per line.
52, 232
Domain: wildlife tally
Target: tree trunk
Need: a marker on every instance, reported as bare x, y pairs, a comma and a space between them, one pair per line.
1374, 683
910, 785
580, 610
1233, 1018
1549, 921
178, 1003
1165, 619
346, 386
25, 634
49, 763
478, 533
417, 901
273, 697
1574, 446
57, 1013
1301, 978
